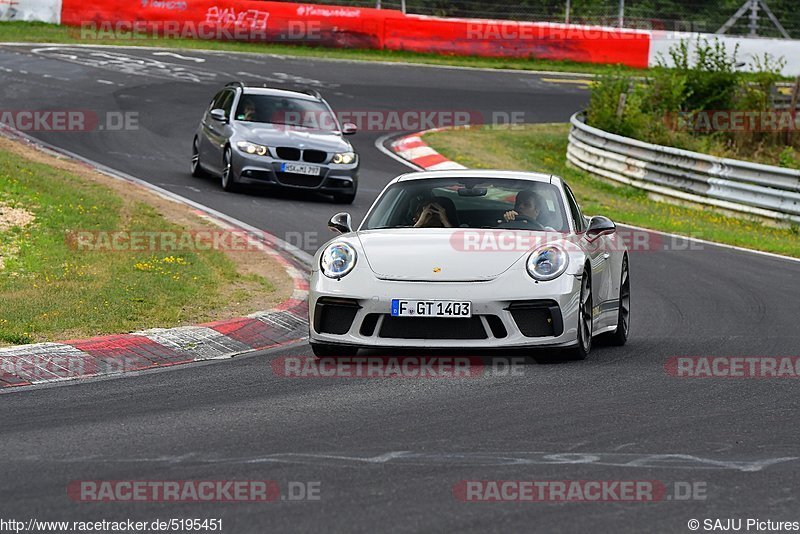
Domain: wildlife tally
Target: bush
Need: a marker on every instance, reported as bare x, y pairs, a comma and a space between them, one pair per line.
703, 80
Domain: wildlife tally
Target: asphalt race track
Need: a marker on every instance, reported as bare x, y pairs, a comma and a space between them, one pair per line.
388, 453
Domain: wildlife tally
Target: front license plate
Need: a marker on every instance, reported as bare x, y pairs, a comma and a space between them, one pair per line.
431, 308
311, 170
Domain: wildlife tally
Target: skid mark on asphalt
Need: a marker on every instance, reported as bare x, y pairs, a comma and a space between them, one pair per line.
286, 78
178, 56
456, 459
129, 64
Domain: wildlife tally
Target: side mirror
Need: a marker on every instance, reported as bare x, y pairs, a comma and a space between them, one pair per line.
598, 226
219, 115
341, 222
349, 128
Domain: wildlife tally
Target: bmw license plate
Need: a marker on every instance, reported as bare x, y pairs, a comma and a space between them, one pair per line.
296, 168
431, 308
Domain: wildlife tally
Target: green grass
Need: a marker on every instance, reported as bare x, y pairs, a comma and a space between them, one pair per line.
40, 32
51, 291
543, 148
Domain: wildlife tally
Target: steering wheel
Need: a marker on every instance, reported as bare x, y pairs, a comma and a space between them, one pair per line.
529, 224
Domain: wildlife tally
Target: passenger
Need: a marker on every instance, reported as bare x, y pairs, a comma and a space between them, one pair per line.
431, 214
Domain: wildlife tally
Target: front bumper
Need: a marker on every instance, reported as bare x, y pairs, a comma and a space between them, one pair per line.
266, 171
509, 311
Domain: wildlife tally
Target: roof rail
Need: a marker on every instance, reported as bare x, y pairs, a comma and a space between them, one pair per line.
305, 90
311, 92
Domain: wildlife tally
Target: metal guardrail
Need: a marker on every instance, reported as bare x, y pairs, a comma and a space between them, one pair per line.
752, 188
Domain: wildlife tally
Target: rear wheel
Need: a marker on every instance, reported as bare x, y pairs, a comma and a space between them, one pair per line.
197, 168
585, 321
228, 175
323, 350
620, 336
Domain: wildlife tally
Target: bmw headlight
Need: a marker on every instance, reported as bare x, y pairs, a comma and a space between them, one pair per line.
547, 263
252, 148
344, 158
338, 260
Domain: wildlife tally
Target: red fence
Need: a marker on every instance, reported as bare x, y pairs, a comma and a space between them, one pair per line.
339, 26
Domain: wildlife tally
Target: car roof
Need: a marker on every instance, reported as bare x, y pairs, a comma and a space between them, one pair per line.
480, 173
271, 91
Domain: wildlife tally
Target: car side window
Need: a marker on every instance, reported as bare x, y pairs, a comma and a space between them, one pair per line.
227, 103
217, 100
577, 216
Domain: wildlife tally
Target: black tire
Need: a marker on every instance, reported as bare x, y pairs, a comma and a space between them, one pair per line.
620, 335
344, 198
323, 350
228, 175
585, 322
197, 169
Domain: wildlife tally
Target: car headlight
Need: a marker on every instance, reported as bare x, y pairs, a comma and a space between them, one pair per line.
344, 158
338, 260
252, 148
547, 263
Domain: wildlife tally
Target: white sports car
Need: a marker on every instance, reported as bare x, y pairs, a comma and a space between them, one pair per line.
470, 259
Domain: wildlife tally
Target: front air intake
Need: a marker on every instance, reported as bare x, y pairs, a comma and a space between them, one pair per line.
335, 315
537, 318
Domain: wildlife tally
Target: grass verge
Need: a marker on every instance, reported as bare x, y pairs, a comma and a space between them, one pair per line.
39, 32
543, 147
50, 290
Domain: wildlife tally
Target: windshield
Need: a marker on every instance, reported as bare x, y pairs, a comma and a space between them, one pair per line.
470, 203
296, 112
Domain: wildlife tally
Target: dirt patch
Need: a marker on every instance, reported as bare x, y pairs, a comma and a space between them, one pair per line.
11, 217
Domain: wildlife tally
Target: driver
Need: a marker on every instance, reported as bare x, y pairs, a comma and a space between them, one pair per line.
528, 205
249, 111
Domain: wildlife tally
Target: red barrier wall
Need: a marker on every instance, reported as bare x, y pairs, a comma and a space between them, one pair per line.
517, 39
341, 26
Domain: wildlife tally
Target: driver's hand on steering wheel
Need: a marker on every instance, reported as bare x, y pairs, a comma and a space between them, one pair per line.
510, 215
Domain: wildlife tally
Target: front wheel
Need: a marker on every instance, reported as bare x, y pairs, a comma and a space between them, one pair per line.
197, 168
620, 336
228, 175
585, 320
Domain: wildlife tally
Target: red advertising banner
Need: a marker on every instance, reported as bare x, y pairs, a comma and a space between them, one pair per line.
353, 27
479, 37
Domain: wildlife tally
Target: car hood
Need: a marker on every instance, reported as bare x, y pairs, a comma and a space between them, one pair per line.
431, 254
274, 135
